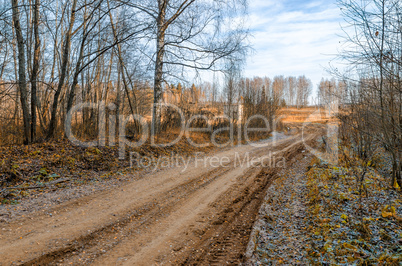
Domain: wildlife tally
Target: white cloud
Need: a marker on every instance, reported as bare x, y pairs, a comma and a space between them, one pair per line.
258, 4
293, 38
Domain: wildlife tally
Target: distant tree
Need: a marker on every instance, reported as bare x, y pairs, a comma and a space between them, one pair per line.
291, 81
304, 88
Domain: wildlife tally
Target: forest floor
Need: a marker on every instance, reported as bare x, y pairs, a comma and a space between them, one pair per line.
318, 214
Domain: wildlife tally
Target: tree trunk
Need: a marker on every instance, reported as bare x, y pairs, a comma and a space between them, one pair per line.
35, 70
158, 79
66, 52
118, 103
21, 70
71, 95
122, 68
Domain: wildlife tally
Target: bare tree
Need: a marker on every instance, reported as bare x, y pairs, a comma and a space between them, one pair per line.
35, 70
231, 89
374, 76
291, 90
61, 52
184, 38
22, 83
304, 88
64, 63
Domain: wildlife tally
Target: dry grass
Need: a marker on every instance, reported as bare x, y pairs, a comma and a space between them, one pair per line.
306, 114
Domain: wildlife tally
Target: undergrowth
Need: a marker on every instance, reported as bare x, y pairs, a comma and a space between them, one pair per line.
352, 222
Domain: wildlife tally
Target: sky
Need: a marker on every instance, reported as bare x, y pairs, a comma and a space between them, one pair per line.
293, 37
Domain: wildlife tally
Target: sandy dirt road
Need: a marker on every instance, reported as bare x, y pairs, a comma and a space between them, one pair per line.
202, 215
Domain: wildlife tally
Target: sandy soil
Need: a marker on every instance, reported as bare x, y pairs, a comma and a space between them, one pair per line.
279, 233
202, 215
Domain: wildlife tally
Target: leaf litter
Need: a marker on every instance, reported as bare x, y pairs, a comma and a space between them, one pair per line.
322, 216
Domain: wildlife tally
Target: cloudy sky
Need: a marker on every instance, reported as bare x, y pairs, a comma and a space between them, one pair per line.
293, 37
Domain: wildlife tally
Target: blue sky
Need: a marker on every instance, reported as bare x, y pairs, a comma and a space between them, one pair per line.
293, 37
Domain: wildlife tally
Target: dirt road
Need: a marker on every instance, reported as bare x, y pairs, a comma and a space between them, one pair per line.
202, 215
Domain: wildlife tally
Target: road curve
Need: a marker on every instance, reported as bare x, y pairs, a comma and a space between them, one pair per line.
166, 217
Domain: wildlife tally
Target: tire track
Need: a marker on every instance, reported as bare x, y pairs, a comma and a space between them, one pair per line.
125, 225
168, 217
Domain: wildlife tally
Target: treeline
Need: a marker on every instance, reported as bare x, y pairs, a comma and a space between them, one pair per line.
55, 54
289, 91
332, 92
286, 91
254, 96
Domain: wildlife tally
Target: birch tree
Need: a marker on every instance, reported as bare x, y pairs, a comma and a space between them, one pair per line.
193, 35
22, 83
